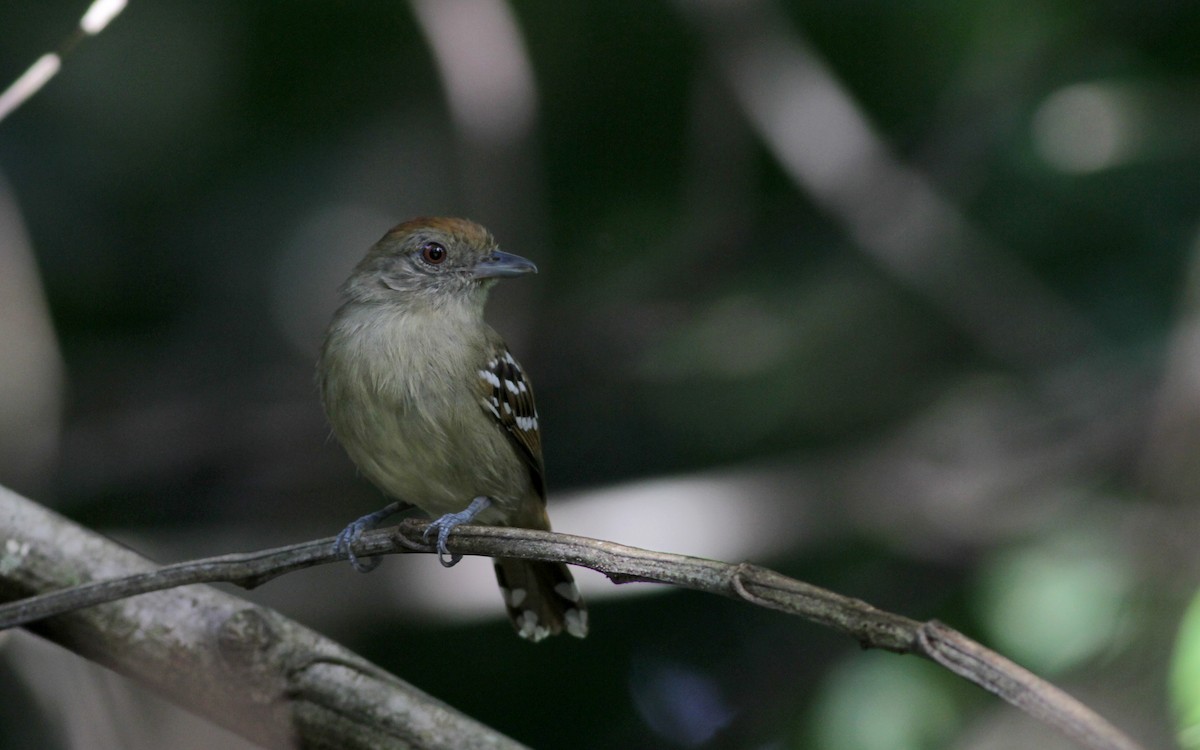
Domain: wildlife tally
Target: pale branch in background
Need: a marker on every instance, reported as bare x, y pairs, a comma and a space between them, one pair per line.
873, 628
98, 15
244, 667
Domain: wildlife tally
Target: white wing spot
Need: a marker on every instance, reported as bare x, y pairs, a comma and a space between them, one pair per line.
527, 423
576, 622
16, 547
490, 377
529, 627
487, 404
507, 408
515, 597
513, 387
567, 590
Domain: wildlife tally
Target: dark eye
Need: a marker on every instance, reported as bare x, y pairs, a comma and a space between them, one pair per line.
433, 252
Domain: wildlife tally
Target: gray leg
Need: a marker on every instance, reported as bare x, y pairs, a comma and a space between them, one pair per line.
344, 544
446, 524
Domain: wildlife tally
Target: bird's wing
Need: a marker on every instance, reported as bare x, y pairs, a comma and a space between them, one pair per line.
507, 396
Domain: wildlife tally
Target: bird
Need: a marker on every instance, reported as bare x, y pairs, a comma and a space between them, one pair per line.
432, 407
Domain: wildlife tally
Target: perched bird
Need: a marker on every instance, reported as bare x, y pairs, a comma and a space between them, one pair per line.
433, 408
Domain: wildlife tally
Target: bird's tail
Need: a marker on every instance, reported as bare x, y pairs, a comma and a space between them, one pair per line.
541, 598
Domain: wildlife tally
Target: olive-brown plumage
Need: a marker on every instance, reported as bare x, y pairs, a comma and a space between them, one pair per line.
433, 408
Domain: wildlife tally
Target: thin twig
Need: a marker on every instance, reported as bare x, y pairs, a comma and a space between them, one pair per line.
871, 627
246, 569
98, 15
1020, 687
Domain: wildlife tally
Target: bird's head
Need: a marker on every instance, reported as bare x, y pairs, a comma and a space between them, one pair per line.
433, 261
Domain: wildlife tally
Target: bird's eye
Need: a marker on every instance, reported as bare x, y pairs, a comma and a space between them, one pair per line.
433, 252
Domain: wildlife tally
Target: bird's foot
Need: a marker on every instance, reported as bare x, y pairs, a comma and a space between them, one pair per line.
343, 545
446, 524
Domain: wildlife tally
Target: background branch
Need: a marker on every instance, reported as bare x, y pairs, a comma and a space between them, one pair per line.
244, 667
872, 627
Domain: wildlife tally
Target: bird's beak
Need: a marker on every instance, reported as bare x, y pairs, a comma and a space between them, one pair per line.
498, 265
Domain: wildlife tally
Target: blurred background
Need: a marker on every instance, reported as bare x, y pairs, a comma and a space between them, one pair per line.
897, 298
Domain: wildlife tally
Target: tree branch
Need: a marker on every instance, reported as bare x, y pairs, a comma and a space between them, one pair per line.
241, 666
871, 627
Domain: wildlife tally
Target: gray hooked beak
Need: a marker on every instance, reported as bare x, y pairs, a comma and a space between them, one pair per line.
500, 265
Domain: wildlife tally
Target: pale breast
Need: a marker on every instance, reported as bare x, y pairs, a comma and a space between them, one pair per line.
402, 401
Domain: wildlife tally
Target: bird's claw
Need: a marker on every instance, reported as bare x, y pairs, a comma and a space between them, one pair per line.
343, 544
447, 523
443, 526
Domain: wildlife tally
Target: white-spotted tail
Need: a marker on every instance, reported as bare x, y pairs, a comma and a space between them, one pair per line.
541, 598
